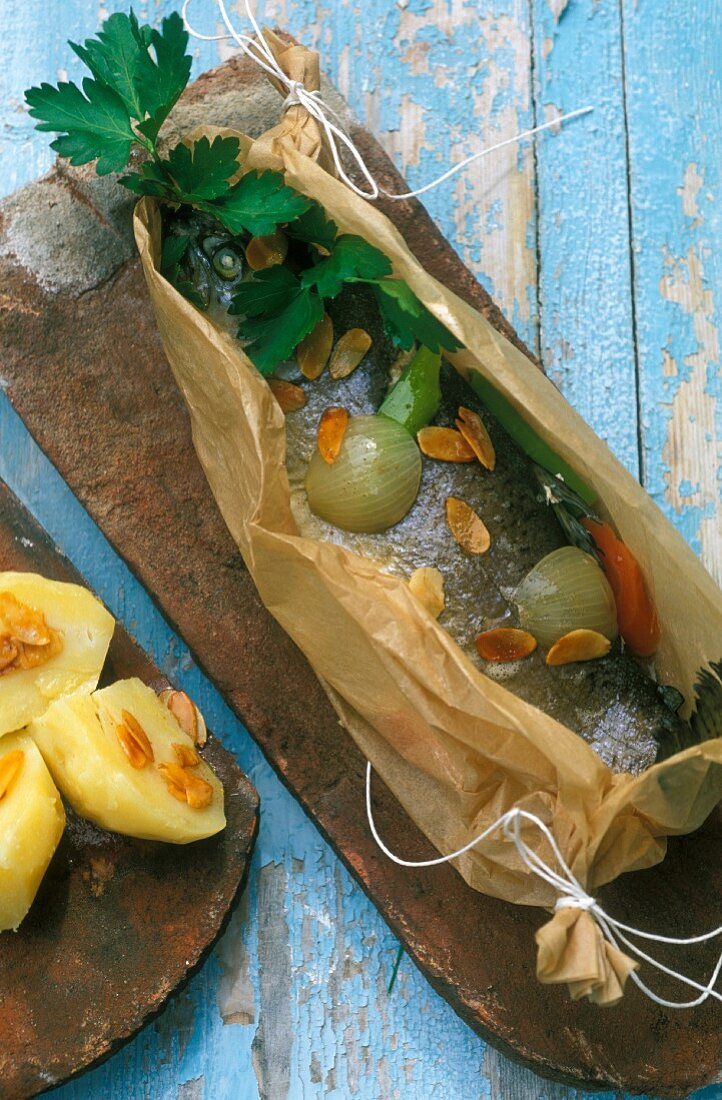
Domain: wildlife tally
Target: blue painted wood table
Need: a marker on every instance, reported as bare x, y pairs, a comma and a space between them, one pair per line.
604, 247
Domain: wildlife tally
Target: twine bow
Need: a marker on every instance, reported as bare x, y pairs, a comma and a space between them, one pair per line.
582, 944
260, 51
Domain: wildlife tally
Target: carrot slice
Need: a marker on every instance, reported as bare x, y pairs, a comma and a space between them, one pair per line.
636, 613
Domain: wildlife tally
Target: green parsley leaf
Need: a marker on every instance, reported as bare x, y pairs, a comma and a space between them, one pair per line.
352, 258
160, 83
114, 58
285, 313
151, 180
174, 249
201, 171
314, 227
96, 127
267, 292
258, 204
407, 319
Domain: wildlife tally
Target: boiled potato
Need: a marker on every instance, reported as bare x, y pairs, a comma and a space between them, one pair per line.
32, 820
122, 760
53, 641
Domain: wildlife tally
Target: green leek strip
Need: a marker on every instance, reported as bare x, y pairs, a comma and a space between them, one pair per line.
525, 437
414, 400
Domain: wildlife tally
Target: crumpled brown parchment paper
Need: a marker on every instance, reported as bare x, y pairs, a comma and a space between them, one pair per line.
457, 749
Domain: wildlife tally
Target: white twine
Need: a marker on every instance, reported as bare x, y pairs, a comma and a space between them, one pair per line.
259, 51
572, 895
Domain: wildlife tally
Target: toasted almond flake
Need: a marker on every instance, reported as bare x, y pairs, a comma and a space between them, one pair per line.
134, 741
23, 623
10, 767
331, 430
199, 793
185, 755
291, 398
313, 351
263, 252
505, 643
445, 444
349, 352
185, 786
578, 645
186, 714
474, 432
427, 584
8, 651
468, 529
31, 656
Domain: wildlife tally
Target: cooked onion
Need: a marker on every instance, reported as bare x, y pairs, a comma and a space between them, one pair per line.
566, 591
373, 482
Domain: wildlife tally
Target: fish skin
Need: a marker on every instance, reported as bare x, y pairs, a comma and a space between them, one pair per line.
612, 703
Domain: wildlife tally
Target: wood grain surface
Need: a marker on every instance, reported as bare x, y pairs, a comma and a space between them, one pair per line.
603, 246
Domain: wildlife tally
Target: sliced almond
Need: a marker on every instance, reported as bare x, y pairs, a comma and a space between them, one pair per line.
199, 793
30, 656
8, 652
185, 755
331, 430
578, 645
349, 352
474, 432
263, 252
10, 767
23, 624
313, 351
134, 741
505, 643
175, 780
445, 444
185, 786
467, 527
427, 584
186, 714
291, 398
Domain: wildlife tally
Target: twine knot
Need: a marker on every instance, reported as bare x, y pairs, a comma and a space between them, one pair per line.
297, 95
574, 901
258, 50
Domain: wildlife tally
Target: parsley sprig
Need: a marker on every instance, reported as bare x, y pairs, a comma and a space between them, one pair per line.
280, 308
137, 76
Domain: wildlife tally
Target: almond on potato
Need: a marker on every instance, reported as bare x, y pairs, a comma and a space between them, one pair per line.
60, 634
120, 756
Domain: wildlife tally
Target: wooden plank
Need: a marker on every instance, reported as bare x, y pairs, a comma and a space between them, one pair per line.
675, 119
585, 297
88, 966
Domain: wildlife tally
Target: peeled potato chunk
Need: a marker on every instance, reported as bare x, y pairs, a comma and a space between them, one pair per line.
53, 641
122, 760
32, 820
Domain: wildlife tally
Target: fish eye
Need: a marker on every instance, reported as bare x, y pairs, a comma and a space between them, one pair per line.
227, 263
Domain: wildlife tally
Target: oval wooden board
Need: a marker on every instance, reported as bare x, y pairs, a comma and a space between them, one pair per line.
92, 401
118, 924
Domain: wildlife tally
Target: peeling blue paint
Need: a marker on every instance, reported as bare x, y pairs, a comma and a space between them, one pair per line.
349, 1037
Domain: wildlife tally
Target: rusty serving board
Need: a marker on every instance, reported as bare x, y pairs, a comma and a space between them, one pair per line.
105, 409
118, 925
